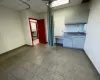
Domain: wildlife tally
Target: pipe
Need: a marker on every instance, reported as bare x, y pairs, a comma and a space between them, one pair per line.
26, 4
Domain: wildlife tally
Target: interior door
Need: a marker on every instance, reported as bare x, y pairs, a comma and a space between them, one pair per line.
41, 31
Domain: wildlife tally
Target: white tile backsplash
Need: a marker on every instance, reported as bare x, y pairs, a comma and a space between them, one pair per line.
74, 28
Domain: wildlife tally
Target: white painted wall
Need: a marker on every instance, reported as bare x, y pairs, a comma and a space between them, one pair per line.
11, 33
25, 15
31, 14
26, 28
92, 44
73, 14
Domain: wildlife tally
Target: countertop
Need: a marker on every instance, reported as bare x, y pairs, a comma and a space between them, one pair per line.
70, 34
74, 34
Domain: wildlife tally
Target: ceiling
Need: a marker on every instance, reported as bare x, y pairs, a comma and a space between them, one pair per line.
35, 5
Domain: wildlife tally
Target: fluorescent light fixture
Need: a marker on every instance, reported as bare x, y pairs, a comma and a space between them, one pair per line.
59, 2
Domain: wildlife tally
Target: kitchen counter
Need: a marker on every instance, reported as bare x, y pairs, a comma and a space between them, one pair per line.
74, 40
71, 40
74, 34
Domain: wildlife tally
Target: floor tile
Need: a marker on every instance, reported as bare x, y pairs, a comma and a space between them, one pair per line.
42, 62
16, 58
45, 65
36, 78
61, 61
7, 64
28, 76
52, 67
57, 76
31, 67
61, 68
7, 76
41, 72
48, 75
19, 72
38, 60
2, 69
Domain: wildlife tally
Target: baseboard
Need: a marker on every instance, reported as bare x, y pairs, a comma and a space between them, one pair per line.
13, 49
28, 45
5, 55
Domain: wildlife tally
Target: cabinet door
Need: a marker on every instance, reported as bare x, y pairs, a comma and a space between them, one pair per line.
67, 42
78, 42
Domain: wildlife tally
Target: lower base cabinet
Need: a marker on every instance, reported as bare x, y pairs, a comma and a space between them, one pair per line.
67, 42
78, 42
74, 42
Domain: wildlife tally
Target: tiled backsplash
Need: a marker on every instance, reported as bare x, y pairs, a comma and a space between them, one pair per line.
74, 28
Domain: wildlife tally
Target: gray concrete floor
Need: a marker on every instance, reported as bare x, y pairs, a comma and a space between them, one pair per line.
42, 62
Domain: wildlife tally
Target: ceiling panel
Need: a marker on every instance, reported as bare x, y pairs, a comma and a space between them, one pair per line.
14, 4
36, 5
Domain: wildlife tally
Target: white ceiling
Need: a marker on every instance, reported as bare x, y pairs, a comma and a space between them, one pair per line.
36, 5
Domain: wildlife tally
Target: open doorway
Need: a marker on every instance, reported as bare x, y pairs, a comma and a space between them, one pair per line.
34, 31
38, 31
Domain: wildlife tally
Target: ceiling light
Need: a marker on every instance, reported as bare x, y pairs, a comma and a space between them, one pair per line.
59, 2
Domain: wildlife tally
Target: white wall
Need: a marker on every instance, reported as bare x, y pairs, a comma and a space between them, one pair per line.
73, 14
92, 44
11, 33
31, 14
25, 15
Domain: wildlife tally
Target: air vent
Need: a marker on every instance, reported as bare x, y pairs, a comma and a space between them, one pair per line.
85, 1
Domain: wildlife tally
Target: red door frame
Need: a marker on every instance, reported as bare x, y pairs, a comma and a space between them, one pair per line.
36, 29
31, 28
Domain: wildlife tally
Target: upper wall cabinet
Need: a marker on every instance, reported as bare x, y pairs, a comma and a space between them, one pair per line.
77, 14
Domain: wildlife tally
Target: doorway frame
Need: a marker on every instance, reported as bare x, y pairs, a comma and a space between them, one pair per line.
31, 28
